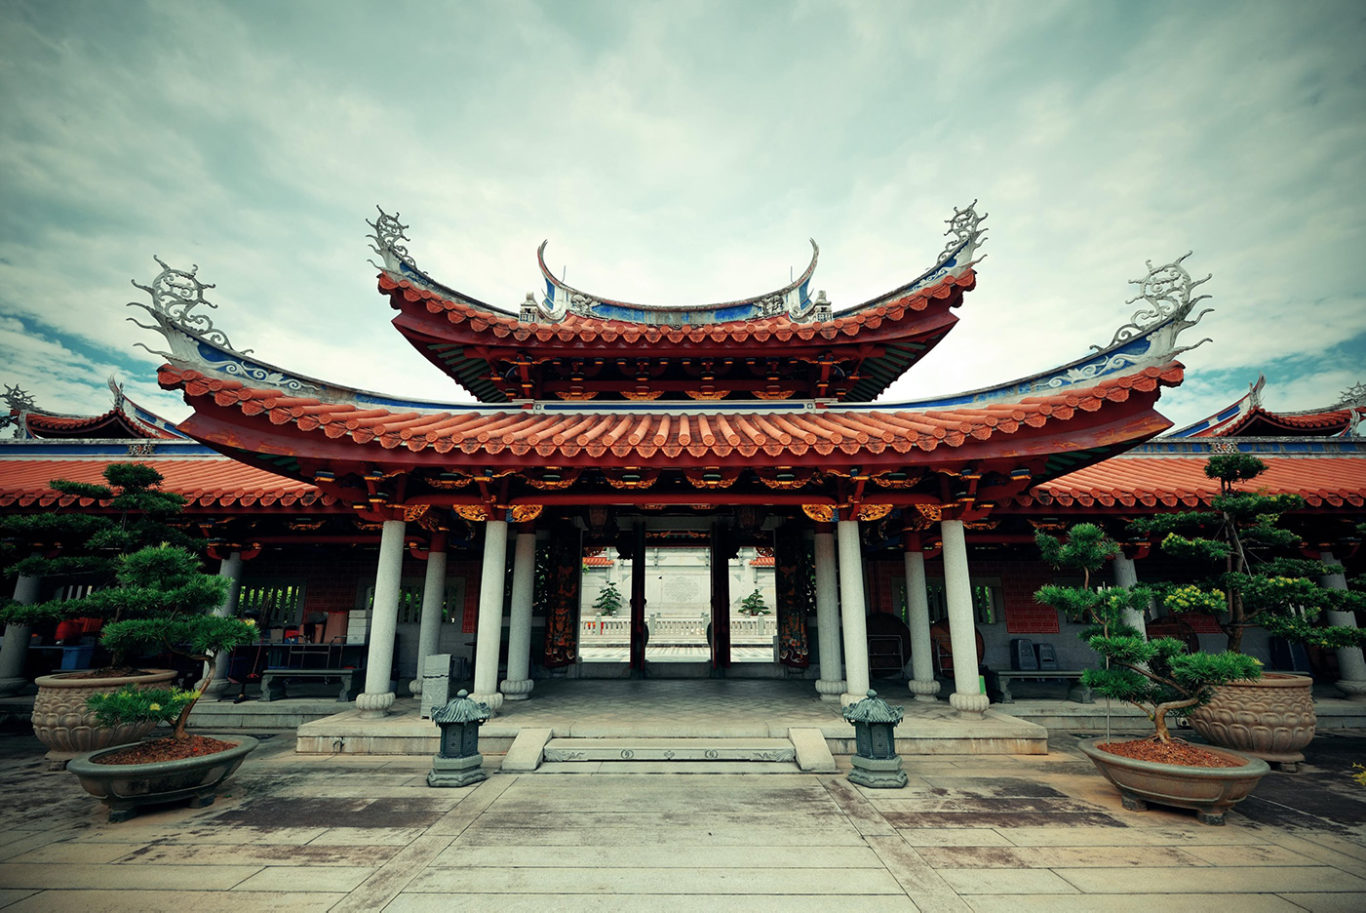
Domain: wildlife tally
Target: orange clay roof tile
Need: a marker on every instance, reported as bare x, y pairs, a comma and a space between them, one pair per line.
718, 433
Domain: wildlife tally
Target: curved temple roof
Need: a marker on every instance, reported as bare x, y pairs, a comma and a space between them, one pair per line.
124, 419
1247, 417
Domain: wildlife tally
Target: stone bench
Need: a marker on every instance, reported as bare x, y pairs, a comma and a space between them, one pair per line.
1080, 692
273, 681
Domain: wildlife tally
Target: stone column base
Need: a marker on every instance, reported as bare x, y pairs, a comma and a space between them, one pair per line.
1354, 690
830, 690
877, 773
415, 687
374, 705
924, 691
494, 700
516, 690
969, 704
456, 772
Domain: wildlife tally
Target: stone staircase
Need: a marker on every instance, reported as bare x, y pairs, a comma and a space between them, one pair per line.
804, 750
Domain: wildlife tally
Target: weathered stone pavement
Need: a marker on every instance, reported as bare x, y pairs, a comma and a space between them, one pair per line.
1000, 833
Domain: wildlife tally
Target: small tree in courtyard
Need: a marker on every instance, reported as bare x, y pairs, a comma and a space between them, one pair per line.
753, 605
1158, 676
609, 600
1259, 580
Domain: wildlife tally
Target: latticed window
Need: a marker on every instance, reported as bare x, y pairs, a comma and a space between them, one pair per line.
410, 602
275, 604
987, 600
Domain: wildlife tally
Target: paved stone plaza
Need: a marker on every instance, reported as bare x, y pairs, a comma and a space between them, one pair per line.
1001, 833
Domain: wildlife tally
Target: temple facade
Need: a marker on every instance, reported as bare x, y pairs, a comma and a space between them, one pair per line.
603, 433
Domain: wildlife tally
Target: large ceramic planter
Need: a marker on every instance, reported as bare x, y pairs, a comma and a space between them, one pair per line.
125, 788
1210, 791
1271, 718
62, 722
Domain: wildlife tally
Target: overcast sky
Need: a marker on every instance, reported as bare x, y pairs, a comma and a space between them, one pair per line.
682, 152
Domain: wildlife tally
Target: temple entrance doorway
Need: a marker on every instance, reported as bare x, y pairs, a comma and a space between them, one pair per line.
678, 583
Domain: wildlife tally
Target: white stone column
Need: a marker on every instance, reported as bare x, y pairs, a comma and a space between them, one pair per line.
490, 630
922, 684
375, 701
853, 612
433, 598
967, 697
831, 683
517, 686
1351, 664
15, 648
229, 568
1126, 577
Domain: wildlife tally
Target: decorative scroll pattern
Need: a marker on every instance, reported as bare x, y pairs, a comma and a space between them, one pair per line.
773, 478
525, 513
712, 478
247, 370
637, 479
566, 478
448, 484
1354, 395
795, 581
908, 480
175, 294
931, 511
474, 512
821, 513
1166, 293
873, 511
713, 395
415, 512
389, 233
563, 583
965, 227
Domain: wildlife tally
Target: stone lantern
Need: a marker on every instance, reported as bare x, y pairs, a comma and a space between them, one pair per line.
458, 761
876, 763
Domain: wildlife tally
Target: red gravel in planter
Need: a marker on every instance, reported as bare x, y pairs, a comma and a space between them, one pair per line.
165, 750
1173, 752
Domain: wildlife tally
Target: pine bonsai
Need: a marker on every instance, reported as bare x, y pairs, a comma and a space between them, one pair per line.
1260, 582
753, 605
609, 600
150, 589
1158, 676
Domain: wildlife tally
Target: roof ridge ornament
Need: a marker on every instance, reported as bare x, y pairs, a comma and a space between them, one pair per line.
1355, 395
20, 402
389, 232
965, 233
1166, 292
175, 294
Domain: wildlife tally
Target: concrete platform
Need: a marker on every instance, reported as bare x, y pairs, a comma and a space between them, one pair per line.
695, 709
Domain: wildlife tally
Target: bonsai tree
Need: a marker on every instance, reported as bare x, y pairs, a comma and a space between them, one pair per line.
1158, 676
1258, 582
753, 605
150, 589
165, 600
609, 600
83, 547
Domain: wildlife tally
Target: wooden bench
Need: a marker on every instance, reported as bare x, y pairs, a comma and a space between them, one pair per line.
273, 687
1080, 692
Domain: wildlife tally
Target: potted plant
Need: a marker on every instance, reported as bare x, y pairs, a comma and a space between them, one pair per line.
609, 600
1160, 677
753, 605
166, 588
1258, 581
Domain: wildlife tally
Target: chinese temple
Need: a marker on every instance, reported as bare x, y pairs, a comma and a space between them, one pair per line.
606, 428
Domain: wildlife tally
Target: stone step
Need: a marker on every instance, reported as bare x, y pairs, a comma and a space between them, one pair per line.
681, 750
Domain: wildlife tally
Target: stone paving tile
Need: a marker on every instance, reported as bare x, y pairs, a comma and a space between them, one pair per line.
1055, 857
1264, 854
207, 831
1005, 881
394, 875
1331, 843
1328, 903
304, 878
1325, 849
1215, 880
1130, 836
658, 856
367, 836
153, 901
68, 851
106, 876
917, 878
1132, 903
634, 903
249, 854
952, 836
325, 812
837, 834
735, 881
1004, 819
